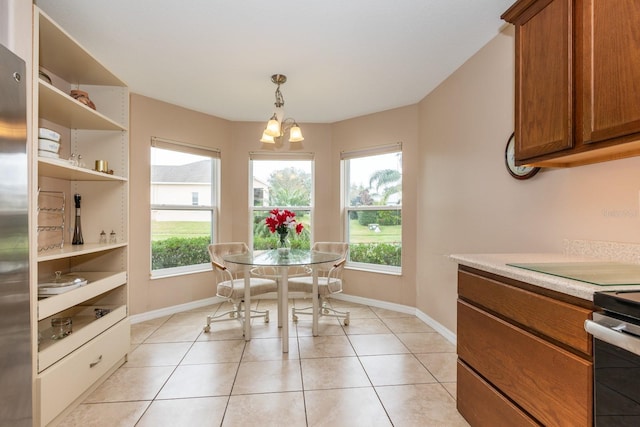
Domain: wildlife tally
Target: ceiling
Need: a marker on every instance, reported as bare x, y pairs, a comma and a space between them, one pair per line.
343, 59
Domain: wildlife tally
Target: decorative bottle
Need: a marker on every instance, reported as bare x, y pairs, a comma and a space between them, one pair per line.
77, 230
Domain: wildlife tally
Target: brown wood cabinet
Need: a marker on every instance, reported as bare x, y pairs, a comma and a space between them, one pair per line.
577, 80
523, 355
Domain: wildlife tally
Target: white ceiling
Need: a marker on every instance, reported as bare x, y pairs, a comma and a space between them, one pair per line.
342, 58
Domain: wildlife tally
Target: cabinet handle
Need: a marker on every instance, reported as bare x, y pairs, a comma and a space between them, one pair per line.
92, 364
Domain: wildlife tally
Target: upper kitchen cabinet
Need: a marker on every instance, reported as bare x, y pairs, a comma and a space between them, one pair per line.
544, 107
577, 73
609, 72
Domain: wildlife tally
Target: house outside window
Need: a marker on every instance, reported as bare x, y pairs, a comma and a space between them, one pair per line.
373, 208
282, 181
184, 189
258, 195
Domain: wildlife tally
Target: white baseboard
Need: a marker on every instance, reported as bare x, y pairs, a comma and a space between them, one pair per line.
167, 311
438, 327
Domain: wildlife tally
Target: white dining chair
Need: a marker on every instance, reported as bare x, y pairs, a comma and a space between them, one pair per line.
230, 284
329, 283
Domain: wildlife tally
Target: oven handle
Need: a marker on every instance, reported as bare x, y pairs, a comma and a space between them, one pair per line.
617, 337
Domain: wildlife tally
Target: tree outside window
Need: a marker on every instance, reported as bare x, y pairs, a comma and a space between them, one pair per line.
282, 184
374, 210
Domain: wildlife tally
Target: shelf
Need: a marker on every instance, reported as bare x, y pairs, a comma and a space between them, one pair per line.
66, 368
98, 284
62, 54
85, 327
60, 108
70, 250
62, 169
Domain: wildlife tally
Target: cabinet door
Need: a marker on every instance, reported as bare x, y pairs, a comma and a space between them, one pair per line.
544, 105
610, 59
551, 384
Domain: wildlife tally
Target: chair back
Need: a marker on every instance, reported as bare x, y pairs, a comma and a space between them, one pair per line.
333, 247
218, 250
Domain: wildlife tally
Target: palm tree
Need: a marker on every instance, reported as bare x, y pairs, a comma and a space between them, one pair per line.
390, 180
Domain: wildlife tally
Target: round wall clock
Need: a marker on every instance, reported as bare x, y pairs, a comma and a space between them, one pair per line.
518, 172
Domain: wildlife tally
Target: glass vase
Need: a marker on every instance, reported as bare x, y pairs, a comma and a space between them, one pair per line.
284, 245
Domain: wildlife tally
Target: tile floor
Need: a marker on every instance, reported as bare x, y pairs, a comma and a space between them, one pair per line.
384, 369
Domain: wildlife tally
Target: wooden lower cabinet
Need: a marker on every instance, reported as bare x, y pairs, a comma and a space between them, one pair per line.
513, 374
482, 405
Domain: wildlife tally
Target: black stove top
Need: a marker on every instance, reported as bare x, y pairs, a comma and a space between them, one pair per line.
624, 303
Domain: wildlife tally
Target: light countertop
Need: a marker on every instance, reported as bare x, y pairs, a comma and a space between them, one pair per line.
497, 264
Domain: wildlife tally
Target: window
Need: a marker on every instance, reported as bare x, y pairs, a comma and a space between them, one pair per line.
284, 181
373, 207
184, 188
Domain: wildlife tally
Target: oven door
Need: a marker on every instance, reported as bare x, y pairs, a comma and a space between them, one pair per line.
616, 364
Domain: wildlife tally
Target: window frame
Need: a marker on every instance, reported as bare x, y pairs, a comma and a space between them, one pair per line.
345, 157
213, 208
283, 157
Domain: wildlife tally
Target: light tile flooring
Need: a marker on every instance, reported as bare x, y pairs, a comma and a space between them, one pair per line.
384, 369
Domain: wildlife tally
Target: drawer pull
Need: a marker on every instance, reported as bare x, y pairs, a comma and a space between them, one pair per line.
92, 364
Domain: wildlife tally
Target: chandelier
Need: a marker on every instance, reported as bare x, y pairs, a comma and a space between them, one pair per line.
277, 125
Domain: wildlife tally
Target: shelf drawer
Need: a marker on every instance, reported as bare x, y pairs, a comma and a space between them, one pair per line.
65, 381
99, 283
557, 320
482, 405
85, 327
550, 383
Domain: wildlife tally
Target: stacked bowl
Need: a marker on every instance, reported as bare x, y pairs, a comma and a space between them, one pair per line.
48, 143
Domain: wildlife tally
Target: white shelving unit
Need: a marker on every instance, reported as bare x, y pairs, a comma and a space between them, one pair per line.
68, 368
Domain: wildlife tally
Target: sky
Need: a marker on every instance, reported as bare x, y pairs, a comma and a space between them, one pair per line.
361, 169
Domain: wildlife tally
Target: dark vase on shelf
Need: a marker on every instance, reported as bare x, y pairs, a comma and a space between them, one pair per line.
77, 230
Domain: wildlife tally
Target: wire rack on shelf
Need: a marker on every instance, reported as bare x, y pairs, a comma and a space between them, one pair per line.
51, 220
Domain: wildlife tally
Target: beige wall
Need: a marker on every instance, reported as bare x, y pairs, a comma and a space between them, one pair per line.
150, 118
235, 140
397, 125
468, 203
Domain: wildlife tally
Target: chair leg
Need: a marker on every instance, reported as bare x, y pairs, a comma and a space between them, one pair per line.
207, 327
235, 314
328, 311
324, 310
264, 314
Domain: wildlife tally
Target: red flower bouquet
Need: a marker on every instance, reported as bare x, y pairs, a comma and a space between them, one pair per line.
281, 221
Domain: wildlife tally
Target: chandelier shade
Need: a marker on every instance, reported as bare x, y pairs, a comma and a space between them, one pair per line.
277, 126
273, 127
267, 139
295, 134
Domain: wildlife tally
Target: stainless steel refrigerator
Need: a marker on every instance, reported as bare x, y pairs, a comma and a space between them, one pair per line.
15, 330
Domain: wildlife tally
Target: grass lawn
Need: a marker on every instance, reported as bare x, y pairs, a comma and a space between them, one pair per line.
362, 234
161, 230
